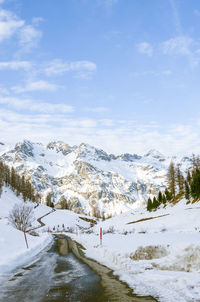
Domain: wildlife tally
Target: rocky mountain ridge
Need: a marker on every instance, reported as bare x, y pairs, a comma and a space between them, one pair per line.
88, 180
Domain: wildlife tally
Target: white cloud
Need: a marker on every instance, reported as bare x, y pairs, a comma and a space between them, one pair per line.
15, 65
107, 122
145, 48
59, 67
3, 91
35, 86
178, 45
9, 24
56, 67
83, 65
82, 69
35, 106
51, 108
182, 45
29, 37
126, 136
87, 123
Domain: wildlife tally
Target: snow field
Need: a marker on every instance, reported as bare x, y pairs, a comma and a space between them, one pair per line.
67, 218
13, 250
158, 257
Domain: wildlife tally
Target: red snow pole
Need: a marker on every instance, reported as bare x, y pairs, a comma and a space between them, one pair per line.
101, 236
26, 239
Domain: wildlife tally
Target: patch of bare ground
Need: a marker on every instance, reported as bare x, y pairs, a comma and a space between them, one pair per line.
88, 220
149, 218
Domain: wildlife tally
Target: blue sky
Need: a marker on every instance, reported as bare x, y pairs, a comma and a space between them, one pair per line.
122, 75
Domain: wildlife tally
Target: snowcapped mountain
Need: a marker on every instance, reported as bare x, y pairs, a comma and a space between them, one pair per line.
89, 180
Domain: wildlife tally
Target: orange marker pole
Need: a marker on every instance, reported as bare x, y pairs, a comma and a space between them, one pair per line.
101, 236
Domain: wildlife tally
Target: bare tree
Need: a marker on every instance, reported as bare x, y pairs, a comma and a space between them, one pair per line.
171, 179
179, 179
21, 216
63, 203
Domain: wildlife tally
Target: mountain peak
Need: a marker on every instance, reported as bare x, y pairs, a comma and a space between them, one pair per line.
26, 147
154, 153
86, 150
59, 146
129, 157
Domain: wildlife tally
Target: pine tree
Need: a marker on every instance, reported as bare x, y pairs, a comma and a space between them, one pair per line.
195, 162
155, 203
17, 183
160, 197
1, 178
187, 191
23, 188
179, 179
149, 204
7, 175
164, 199
171, 179
49, 203
168, 195
195, 185
13, 178
188, 178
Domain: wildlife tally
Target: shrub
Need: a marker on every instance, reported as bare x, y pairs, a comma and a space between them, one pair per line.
21, 216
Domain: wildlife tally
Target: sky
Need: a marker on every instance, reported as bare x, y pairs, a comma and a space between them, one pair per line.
121, 75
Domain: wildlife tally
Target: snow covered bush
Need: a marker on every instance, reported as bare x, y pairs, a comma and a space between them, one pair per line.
126, 232
142, 231
186, 260
71, 230
110, 230
163, 229
149, 252
21, 216
89, 231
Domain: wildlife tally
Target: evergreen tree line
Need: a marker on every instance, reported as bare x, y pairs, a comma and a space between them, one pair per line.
9, 177
178, 185
162, 198
192, 181
49, 202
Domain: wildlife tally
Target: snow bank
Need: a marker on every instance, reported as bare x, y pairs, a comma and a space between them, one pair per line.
149, 252
187, 261
158, 257
13, 250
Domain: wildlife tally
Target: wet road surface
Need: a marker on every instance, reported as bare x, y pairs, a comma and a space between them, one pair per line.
58, 276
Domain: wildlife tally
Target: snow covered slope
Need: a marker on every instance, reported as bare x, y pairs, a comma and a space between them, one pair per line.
157, 253
88, 179
13, 250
